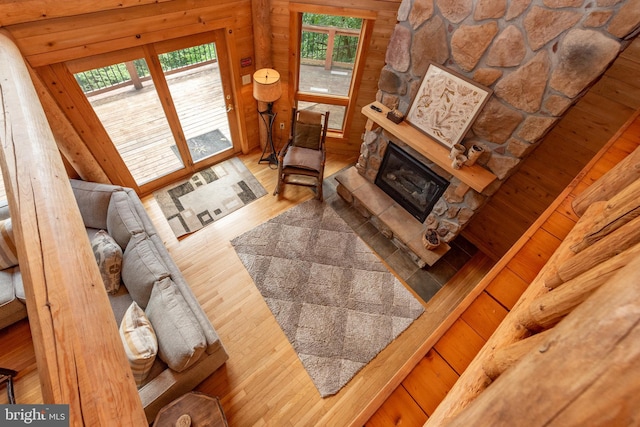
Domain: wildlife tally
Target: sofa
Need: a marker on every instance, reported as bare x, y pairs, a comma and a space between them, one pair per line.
12, 300
189, 349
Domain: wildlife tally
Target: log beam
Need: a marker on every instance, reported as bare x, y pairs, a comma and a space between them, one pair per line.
69, 142
620, 240
549, 309
617, 178
619, 210
508, 356
80, 357
590, 360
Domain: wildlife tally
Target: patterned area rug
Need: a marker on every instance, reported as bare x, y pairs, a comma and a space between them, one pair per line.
336, 302
208, 196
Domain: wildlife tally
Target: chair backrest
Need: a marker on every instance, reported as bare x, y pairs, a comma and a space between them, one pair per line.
309, 129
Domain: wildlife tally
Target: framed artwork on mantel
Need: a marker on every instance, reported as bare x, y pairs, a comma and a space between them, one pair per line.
446, 105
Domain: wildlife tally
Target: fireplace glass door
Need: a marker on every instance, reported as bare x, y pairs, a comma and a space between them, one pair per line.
410, 182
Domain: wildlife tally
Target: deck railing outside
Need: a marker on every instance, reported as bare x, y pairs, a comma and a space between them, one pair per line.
135, 72
326, 46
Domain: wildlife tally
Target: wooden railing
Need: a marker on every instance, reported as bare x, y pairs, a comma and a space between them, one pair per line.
567, 354
80, 357
332, 33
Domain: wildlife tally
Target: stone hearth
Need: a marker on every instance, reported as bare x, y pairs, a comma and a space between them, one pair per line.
392, 220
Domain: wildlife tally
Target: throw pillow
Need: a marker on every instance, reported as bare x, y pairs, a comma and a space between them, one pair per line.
140, 342
141, 267
308, 135
180, 338
109, 258
8, 252
122, 219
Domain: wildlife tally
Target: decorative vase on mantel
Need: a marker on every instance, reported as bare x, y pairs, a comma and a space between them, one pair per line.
475, 151
430, 239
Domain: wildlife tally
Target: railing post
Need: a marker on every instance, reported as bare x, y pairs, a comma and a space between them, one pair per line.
135, 78
328, 60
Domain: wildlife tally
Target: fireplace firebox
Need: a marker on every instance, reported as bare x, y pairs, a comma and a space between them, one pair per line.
410, 182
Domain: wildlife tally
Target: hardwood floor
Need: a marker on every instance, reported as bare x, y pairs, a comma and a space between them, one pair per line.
564, 151
263, 382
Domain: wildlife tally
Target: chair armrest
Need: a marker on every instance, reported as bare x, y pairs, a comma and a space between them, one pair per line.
284, 149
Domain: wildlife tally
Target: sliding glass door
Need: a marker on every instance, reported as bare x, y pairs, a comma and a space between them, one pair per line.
164, 106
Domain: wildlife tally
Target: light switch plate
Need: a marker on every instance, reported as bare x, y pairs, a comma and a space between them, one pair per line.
246, 79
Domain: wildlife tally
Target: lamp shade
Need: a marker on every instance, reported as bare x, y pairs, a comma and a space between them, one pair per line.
266, 85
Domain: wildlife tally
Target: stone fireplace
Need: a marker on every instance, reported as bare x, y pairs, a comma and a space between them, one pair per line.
410, 182
453, 204
538, 57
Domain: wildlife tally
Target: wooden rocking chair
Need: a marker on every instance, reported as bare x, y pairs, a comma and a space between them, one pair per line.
301, 160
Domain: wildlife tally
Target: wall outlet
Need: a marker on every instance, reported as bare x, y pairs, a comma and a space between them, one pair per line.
281, 125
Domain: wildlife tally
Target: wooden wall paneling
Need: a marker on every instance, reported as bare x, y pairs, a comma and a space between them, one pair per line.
19, 11
506, 288
484, 315
399, 409
69, 312
558, 225
234, 87
208, 23
65, 90
534, 255
626, 93
430, 381
459, 345
68, 33
261, 17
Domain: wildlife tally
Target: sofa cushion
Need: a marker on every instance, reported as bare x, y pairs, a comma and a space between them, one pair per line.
8, 252
109, 258
93, 201
180, 339
140, 342
18, 285
122, 219
141, 267
7, 291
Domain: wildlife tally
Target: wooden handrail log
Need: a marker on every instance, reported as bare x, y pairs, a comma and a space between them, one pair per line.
508, 356
619, 210
615, 243
590, 370
617, 178
80, 357
547, 310
564, 252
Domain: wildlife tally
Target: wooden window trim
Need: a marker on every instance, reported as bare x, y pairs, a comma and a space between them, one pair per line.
349, 102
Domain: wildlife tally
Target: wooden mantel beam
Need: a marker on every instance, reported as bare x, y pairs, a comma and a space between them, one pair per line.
80, 357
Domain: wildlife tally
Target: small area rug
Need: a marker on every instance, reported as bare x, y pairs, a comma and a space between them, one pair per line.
208, 196
335, 301
205, 145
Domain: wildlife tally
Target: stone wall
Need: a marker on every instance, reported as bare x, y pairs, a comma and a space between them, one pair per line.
538, 56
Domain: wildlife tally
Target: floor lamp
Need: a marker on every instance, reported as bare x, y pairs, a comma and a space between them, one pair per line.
267, 88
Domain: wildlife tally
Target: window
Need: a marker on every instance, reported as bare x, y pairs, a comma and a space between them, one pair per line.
328, 65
